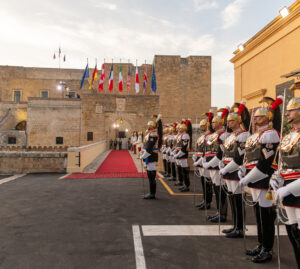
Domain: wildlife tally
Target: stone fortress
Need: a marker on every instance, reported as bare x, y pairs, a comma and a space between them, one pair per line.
36, 117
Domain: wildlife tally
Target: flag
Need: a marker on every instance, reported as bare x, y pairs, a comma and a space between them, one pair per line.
85, 75
59, 52
137, 83
111, 78
64, 58
153, 80
94, 76
128, 79
100, 88
120, 80
145, 80
54, 56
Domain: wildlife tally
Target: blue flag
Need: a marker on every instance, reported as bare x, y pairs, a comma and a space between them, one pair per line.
85, 75
64, 58
153, 80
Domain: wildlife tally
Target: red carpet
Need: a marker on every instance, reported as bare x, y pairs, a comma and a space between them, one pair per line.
118, 164
118, 161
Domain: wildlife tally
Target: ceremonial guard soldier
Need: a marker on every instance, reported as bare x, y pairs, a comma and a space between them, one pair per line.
289, 168
164, 149
260, 152
198, 158
238, 122
183, 148
152, 144
175, 150
213, 154
133, 141
170, 158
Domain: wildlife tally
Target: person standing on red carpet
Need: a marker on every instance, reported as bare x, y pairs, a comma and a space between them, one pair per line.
149, 154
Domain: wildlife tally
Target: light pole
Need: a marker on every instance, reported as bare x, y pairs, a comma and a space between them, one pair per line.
62, 86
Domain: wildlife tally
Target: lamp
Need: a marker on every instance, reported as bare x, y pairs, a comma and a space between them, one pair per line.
121, 121
284, 12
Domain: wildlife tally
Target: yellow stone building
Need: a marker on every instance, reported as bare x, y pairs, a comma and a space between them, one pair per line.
261, 62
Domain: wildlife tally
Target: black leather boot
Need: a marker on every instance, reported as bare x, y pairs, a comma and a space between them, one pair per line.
294, 236
255, 251
223, 208
165, 167
173, 170
169, 168
238, 205
152, 185
186, 178
233, 211
180, 176
263, 256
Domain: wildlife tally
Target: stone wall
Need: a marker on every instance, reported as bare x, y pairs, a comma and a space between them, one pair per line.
19, 135
99, 113
32, 162
51, 118
184, 86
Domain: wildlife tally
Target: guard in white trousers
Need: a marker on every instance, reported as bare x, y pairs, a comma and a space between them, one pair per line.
149, 154
289, 166
214, 154
170, 158
183, 148
175, 150
198, 159
238, 122
164, 149
260, 152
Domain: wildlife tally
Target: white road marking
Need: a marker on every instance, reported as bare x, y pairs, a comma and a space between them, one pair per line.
138, 247
62, 177
11, 178
196, 230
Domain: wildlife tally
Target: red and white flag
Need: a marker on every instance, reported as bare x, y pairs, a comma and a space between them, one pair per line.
102, 77
137, 82
111, 78
120, 80
145, 80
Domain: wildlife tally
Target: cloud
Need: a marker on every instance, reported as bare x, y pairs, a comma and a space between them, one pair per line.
204, 4
104, 5
232, 13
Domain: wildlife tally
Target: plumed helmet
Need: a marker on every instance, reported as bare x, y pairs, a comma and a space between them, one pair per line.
221, 118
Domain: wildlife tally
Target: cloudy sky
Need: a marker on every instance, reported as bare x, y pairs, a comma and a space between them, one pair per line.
32, 30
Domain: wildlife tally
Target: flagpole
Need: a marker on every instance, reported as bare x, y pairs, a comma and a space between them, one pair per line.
59, 51
145, 69
104, 77
128, 90
112, 62
121, 74
135, 75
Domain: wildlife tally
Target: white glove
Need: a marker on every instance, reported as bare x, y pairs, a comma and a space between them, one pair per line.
281, 193
194, 157
241, 175
243, 181
222, 172
141, 153
242, 171
274, 184
195, 164
221, 165
205, 165
200, 162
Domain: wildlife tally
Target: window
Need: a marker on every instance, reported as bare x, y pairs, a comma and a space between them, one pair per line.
72, 94
59, 140
44, 94
17, 96
90, 136
12, 140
